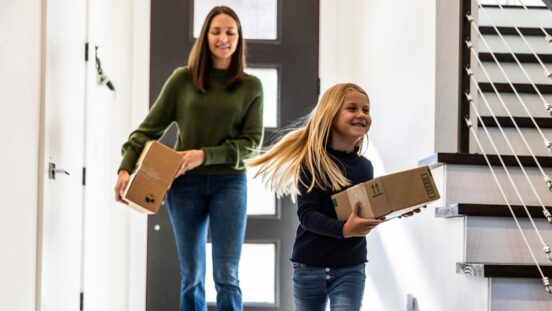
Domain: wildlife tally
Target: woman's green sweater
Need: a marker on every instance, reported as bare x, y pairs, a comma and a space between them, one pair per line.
226, 123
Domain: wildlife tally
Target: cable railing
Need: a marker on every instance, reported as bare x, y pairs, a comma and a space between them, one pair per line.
547, 73
545, 279
469, 80
547, 142
547, 36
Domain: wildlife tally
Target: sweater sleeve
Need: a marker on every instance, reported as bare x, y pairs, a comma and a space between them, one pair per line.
311, 219
161, 115
245, 145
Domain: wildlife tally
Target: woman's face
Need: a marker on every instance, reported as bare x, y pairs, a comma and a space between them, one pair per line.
223, 39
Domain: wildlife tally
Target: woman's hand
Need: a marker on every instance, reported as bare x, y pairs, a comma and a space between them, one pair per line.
190, 160
358, 226
120, 186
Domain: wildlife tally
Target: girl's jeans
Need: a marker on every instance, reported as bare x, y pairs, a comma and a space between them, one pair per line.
194, 202
313, 286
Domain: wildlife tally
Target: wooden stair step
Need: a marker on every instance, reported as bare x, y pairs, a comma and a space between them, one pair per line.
516, 6
488, 210
478, 159
500, 270
522, 122
526, 31
526, 88
509, 58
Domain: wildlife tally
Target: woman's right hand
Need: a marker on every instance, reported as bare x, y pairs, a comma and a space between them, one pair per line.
358, 226
120, 186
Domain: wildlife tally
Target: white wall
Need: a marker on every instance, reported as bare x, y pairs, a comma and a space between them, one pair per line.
447, 53
20, 86
137, 241
115, 236
362, 42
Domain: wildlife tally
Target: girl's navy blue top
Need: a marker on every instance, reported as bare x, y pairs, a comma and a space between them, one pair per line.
319, 241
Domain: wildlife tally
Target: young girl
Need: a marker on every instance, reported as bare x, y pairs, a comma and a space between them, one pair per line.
315, 161
218, 109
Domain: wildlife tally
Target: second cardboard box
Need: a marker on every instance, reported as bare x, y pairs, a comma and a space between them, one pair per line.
388, 196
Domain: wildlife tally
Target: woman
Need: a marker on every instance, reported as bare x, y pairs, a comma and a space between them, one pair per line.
218, 110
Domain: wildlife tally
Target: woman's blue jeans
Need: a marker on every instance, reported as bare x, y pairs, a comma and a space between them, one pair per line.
313, 286
194, 202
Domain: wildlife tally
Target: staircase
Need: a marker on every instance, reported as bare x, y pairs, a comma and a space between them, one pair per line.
495, 259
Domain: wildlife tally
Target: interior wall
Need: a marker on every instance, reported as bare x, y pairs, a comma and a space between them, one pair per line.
115, 237
396, 63
447, 58
139, 104
20, 86
362, 42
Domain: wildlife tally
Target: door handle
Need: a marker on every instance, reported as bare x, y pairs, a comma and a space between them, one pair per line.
52, 171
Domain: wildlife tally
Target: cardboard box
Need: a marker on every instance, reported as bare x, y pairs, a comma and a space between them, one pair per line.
155, 171
388, 196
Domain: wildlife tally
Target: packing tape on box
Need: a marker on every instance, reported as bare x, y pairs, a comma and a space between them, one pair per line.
154, 174
358, 194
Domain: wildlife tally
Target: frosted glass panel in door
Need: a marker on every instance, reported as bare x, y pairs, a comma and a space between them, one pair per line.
269, 79
260, 201
258, 17
257, 274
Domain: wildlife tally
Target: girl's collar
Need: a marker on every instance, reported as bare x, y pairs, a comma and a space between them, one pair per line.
343, 153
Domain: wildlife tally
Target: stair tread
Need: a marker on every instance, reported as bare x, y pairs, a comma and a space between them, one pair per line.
479, 159
504, 270
514, 6
509, 58
522, 122
504, 30
520, 87
488, 210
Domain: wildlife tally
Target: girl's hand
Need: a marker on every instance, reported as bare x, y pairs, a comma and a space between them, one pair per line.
120, 186
358, 226
190, 160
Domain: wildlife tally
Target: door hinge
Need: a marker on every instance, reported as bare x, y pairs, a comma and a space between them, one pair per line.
81, 301
86, 52
84, 176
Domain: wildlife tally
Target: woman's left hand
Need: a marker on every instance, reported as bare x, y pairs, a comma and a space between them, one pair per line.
190, 160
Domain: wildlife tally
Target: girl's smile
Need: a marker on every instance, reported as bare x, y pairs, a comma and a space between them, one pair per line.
351, 122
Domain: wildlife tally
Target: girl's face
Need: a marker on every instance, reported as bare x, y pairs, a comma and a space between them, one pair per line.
223, 39
351, 122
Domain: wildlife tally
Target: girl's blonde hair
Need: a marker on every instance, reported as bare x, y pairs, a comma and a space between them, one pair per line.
304, 148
